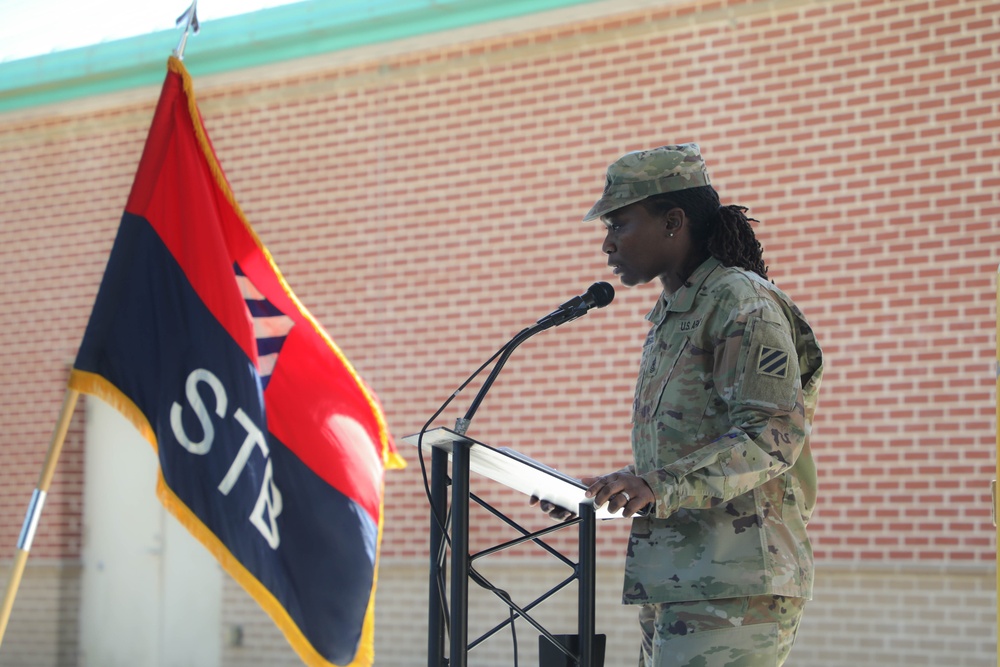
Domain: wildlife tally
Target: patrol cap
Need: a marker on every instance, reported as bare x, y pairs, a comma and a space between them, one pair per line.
640, 174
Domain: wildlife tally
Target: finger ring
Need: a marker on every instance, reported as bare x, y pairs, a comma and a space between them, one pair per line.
627, 496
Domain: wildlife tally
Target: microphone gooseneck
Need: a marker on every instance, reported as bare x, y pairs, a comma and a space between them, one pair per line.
597, 295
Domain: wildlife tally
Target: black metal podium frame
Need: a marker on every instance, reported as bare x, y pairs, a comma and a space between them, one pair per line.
521, 474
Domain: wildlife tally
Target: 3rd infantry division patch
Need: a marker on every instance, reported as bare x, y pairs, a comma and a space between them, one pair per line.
772, 362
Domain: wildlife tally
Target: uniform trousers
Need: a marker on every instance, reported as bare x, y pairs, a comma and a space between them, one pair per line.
755, 631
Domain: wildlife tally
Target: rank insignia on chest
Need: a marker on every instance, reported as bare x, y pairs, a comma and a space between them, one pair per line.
772, 362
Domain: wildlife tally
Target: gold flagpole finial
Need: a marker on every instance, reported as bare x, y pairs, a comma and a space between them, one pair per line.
189, 19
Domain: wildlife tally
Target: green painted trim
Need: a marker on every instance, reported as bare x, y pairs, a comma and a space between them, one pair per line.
298, 30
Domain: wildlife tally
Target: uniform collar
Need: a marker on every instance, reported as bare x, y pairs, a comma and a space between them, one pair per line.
682, 300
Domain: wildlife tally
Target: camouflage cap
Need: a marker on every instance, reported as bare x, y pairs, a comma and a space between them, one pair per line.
640, 174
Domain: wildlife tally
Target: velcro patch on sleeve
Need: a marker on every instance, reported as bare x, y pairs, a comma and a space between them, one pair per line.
772, 362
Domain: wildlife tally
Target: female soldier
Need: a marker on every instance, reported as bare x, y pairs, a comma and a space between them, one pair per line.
719, 562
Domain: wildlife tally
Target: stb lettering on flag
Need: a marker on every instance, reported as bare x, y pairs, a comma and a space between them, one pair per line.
271, 448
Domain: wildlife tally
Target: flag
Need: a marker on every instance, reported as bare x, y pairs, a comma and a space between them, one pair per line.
271, 448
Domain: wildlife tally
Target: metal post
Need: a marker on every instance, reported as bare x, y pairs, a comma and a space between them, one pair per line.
438, 568
459, 554
588, 572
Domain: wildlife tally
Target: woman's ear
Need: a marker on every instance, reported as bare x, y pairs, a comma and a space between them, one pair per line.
674, 220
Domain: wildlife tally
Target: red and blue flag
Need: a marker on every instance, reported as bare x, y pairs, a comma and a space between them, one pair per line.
272, 450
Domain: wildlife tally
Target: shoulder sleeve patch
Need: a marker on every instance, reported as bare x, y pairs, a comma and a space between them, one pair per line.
772, 362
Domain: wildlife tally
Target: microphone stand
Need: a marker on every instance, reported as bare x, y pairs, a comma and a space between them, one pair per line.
460, 492
462, 425
562, 315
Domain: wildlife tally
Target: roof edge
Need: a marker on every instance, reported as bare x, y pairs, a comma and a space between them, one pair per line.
298, 30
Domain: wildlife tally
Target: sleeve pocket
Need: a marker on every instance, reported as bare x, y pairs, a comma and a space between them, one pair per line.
770, 375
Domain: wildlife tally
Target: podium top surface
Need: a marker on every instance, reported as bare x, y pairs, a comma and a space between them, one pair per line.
516, 471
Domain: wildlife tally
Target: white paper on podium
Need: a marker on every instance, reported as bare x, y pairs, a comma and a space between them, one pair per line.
517, 471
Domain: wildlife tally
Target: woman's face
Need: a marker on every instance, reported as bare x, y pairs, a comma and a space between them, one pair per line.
639, 246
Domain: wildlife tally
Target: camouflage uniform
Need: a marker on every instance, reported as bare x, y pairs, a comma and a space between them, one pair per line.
720, 433
723, 409
737, 632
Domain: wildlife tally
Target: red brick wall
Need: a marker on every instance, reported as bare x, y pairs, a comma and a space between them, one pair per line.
65, 181
427, 207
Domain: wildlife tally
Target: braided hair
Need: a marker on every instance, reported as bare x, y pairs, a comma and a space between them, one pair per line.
724, 231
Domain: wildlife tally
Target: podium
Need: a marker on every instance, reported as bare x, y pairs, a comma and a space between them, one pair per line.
529, 477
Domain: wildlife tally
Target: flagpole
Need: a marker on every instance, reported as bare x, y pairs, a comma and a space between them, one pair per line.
34, 512
190, 21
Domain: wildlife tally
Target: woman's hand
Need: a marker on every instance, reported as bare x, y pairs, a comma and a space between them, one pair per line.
620, 490
554, 511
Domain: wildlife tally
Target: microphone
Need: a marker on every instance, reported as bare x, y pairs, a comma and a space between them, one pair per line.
597, 295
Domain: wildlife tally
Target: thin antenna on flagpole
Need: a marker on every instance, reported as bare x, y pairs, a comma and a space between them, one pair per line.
190, 21
35, 508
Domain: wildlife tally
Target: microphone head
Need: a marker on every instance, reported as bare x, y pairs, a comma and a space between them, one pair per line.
602, 293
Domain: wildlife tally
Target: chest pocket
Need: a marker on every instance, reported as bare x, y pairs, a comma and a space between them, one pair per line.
658, 360
675, 386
